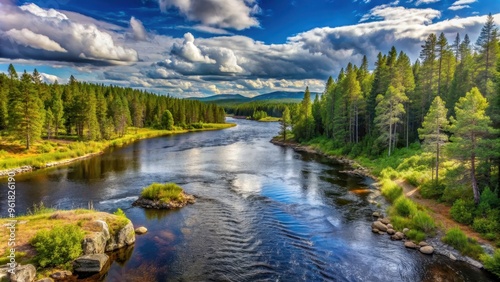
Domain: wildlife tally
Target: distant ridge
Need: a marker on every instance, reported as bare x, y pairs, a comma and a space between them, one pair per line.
277, 95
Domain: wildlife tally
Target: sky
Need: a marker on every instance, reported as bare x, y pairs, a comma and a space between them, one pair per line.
188, 48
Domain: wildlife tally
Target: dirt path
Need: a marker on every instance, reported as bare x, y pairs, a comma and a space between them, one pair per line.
439, 211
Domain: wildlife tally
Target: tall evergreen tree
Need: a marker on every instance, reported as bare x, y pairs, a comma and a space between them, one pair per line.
488, 49
285, 122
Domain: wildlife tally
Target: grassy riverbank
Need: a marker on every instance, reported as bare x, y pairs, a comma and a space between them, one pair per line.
49, 152
404, 179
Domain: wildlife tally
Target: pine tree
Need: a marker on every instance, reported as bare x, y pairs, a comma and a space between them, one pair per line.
57, 108
26, 113
167, 120
487, 45
49, 123
470, 128
285, 122
433, 130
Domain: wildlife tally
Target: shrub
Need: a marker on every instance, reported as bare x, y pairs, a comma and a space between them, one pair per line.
120, 212
485, 225
400, 223
492, 263
456, 238
390, 190
423, 221
432, 190
405, 207
416, 235
57, 246
462, 211
164, 192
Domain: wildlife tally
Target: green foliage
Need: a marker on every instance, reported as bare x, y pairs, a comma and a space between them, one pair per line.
258, 115
39, 209
485, 225
423, 221
458, 240
57, 246
462, 211
119, 212
492, 263
164, 192
167, 120
416, 235
405, 207
400, 222
390, 190
432, 189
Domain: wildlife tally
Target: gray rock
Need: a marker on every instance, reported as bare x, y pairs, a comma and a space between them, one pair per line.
122, 238
398, 236
90, 263
23, 273
391, 231
473, 262
381, 232
95, 242
379, 225
428, 250
423, 244
4, 277
375, 230
411, 245
61, 275
451, 256
141, 230
376, 214
385, 220
389, 226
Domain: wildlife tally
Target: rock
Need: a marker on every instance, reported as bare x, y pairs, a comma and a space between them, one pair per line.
398, 236
428, 250
389, 226
4, 277
473, 262
123, 237
45, 280
375, 230
405, 230
411, 245
95, 242
385, 220
141, 230
423, 244
376, 214
451, 256
150, 204
381, 232
391, 231
23, 273
61, 275
379, 225
90, 263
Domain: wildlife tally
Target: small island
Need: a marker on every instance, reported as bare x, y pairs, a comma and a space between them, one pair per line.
163, 196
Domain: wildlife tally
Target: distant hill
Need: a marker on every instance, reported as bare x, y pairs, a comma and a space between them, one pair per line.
280, 96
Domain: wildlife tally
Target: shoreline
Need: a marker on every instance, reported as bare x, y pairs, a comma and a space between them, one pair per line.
440, 247
4, 173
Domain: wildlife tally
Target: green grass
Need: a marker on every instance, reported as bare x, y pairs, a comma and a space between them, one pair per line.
458, 240
270, 119
163, 192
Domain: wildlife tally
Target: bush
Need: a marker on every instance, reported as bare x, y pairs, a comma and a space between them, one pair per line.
58, 246
120, 212
485, 225
432, 190
492, 263
390, 190
462, 211
456, 238
416, 235
164, 192
405, 207
423, 221
400, 223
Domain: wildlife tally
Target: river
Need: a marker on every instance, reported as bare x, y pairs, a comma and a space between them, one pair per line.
263, 212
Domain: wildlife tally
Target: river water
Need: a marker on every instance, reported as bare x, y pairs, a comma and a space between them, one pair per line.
263, 213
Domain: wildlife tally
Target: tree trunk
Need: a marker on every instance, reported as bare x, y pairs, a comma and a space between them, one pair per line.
475, 188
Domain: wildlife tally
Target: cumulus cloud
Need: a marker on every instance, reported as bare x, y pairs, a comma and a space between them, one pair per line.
236, 14
138, 30
190, 52
28, 38
46, 34
461, 4
49, 78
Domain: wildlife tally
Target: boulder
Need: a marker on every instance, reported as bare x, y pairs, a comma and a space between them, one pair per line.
423, 244
379, 225
398, 236
428, 250
391, 231
376, 214
23, 273
141, 230
473, 262
389, 226
90, 263
123, 237
375, 230
385, 220
381, 232
95, 242
4, 277
411, 245
61, 275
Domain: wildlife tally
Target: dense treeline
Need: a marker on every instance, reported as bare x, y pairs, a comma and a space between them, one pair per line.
249, 109
30, 109
444, 110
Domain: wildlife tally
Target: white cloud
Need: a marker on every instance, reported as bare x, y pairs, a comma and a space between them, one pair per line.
49, 78
236, 14
138, 30
28, 38
463, 2
458, 7
420, 2
190, 52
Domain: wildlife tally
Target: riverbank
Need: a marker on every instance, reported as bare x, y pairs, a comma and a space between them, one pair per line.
439, 215
56, 152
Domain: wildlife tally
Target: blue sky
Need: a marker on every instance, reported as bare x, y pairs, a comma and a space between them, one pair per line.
206, 47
